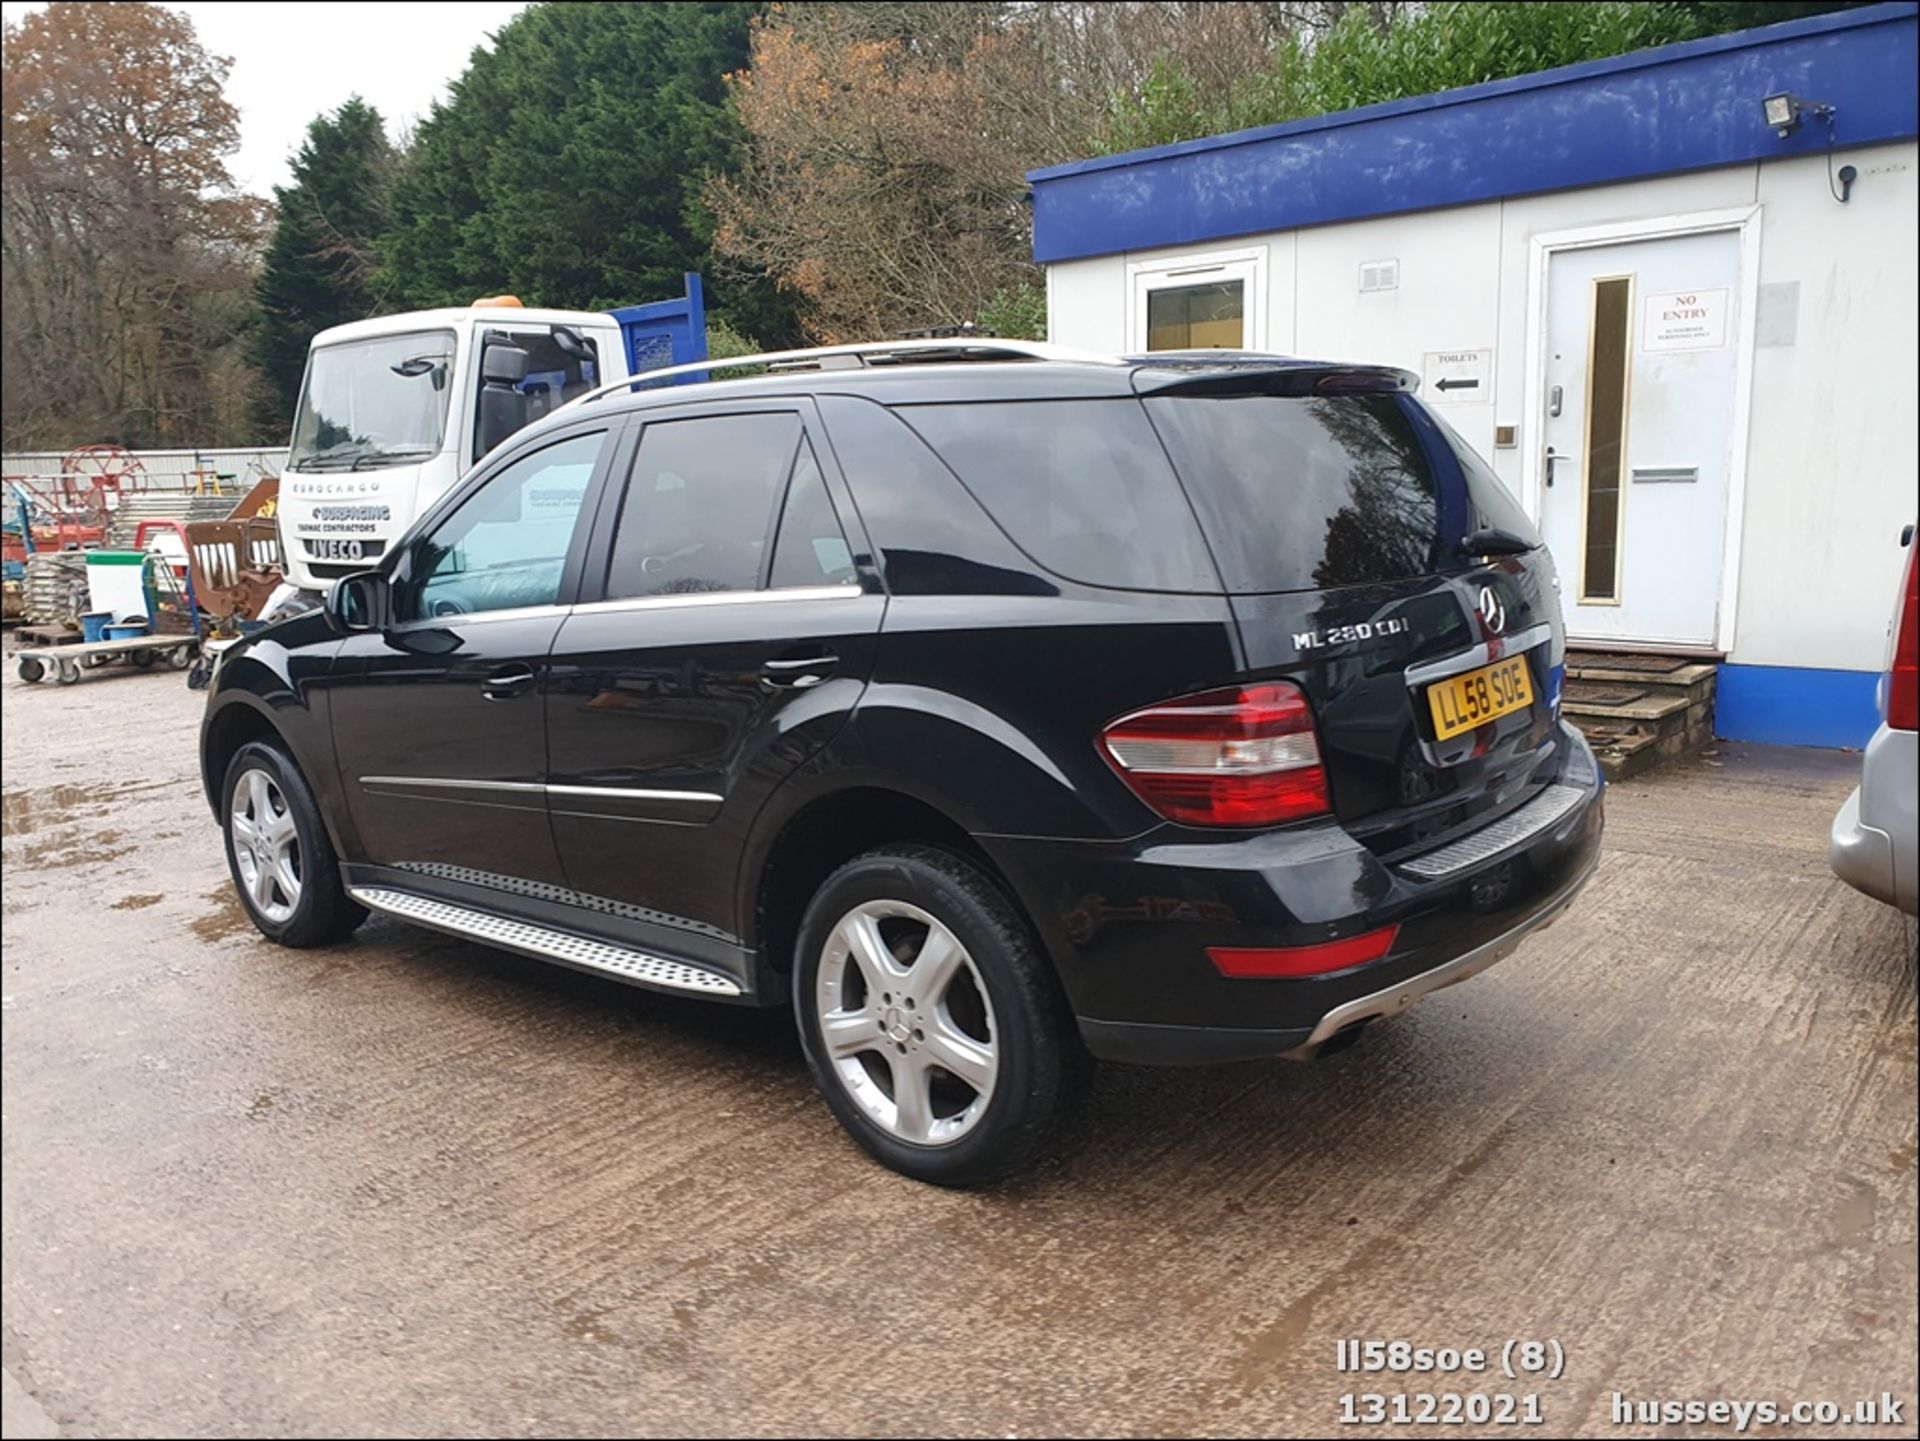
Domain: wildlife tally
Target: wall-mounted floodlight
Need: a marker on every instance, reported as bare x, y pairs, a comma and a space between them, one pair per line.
1784, 112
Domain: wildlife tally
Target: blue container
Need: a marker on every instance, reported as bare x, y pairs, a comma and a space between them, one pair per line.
93, 626
127, 630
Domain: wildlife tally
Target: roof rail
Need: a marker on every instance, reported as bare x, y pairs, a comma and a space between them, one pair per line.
881, 352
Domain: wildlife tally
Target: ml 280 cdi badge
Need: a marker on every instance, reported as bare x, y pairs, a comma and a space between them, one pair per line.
993, 706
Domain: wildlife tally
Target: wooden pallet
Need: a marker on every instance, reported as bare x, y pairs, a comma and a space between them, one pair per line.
44, 635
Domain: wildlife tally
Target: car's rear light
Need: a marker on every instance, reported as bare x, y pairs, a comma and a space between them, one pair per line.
1253, 963
1903, 682
1243, 756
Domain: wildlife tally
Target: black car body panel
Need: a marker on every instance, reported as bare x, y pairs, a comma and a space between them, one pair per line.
277, 683
409, 717
666, 739
628, 766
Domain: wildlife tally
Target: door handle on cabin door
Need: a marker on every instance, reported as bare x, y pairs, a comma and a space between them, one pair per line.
790, 672
1552, 456
508, 682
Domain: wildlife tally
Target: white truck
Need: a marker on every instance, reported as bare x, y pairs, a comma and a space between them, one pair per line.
394, 410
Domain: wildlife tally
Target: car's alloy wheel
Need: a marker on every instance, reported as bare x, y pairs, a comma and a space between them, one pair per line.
266, 845
906, 1022
930, 1017
280, 854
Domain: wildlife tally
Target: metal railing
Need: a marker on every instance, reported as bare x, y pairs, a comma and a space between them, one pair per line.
165, 470
967, 349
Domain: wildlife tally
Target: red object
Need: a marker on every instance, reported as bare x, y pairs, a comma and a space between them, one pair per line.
143, 541
1903, 681
1242, 756
1278, 962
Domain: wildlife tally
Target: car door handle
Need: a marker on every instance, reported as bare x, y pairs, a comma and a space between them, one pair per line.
799, 672
508, 683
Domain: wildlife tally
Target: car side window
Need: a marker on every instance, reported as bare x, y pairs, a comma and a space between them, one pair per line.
506, 546
699, 505
812, 545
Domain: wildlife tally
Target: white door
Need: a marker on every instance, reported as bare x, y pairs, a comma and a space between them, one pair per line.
1641, 365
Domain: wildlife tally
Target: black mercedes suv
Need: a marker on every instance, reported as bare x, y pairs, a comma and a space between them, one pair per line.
995, 708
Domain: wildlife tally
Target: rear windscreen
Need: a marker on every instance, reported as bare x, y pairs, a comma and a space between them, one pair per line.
1306, 492
1082, 486
1489, 502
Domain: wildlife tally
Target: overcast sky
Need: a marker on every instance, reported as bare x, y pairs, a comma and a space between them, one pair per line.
291, 61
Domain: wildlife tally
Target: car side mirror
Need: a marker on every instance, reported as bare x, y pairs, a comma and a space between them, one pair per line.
359, 603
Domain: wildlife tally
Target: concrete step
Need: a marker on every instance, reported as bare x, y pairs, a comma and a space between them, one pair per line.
1603, 668
1638, 710
1622, 754
1621, 703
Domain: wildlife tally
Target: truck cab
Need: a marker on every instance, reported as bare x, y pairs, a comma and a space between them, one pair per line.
394, 410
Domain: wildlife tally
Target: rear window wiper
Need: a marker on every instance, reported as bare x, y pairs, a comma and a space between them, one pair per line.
1492, 540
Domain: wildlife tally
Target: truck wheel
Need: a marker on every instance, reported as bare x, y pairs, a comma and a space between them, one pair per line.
143, 660
31, 668
69, 673
278, 852
931, 1019
182, 657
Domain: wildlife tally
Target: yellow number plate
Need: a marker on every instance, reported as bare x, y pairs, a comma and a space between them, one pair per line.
1462, 702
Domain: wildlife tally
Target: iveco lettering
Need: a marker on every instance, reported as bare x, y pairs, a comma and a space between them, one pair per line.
995, 707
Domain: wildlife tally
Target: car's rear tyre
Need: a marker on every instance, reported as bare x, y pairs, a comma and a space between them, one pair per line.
930, 1018
282, 861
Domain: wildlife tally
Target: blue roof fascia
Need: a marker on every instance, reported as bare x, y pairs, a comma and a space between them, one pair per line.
1663, 111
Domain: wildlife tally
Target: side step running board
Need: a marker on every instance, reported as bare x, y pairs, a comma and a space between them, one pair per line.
602, 957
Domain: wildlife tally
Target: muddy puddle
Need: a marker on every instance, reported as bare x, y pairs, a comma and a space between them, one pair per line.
24, 812
61, 854
227, 918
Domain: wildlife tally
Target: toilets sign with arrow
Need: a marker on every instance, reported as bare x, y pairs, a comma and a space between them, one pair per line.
1457, 377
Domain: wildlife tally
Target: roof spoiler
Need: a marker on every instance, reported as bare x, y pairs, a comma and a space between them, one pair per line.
1274, 377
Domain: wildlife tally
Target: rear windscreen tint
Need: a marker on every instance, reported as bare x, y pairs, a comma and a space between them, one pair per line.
1305, 493
1082, 486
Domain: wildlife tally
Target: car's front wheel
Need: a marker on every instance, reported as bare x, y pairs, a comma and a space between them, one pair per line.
281, 858
929, 1018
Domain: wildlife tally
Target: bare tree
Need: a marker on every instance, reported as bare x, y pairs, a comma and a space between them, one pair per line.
885, 180
124, 241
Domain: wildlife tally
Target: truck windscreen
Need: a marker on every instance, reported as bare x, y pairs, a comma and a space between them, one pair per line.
371, 403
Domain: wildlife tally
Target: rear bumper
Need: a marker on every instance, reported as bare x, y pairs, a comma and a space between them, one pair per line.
1875, 842
1151, 1045
1129, 925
